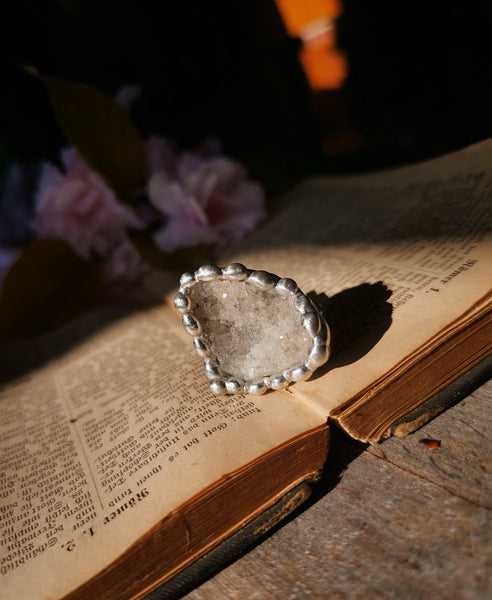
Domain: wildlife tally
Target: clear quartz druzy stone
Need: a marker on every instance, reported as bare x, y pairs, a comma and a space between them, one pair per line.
251, 331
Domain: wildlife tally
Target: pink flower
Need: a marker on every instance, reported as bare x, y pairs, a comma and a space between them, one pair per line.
206, 198
79, 207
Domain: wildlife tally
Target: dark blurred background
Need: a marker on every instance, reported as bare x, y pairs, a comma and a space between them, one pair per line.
418, 84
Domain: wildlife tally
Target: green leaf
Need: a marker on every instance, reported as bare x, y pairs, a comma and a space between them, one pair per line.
101, 130
47, 286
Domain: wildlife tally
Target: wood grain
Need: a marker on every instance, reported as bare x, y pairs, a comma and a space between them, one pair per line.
399, 521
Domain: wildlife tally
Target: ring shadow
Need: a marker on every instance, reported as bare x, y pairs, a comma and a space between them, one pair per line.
358, 318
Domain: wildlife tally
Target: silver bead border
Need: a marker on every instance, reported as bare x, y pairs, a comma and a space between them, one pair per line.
312, 321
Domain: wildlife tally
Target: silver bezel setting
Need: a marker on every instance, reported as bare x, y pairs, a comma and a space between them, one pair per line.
311, 318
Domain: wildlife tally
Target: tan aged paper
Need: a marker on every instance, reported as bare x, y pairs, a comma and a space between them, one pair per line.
101, 444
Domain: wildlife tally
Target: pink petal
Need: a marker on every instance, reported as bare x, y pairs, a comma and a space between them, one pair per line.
169, 197
182, 234
73, 162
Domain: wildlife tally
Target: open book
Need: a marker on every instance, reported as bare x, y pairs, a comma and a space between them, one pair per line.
119, 468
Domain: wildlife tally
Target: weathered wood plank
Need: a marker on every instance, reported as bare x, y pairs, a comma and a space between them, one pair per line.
402, 522
463, 463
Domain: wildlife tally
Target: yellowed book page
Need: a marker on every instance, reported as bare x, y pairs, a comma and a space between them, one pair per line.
401, 255
101, 444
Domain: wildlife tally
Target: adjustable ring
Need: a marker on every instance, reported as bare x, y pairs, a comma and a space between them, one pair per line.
254, 330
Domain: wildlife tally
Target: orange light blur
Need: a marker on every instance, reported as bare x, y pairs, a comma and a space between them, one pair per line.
325, 68
297, 14
324, 65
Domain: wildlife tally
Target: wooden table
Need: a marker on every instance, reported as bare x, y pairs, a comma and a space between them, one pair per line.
396, 521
